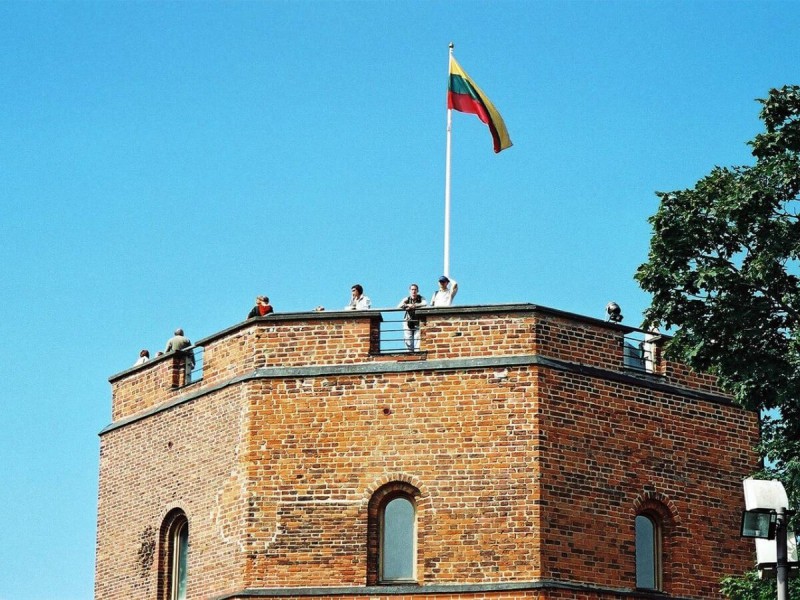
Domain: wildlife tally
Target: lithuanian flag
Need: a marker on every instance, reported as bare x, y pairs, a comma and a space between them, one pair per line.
464, 96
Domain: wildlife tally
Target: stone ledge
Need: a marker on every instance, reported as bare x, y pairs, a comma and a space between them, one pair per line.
378, 368
452, 589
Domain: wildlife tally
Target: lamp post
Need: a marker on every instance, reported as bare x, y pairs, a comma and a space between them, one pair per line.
771, 524
781, 557
767, 518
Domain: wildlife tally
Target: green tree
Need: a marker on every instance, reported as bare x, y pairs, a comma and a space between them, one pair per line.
724, 270
750, 587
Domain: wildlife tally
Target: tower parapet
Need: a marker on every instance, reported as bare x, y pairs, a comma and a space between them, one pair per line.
354, 337
526, 446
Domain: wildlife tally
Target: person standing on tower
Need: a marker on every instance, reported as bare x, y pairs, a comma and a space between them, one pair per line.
144, 356
178, 343
358, 301
446, 292
410, 323
261, 308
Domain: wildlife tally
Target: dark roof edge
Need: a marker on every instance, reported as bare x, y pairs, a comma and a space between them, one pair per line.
455, 588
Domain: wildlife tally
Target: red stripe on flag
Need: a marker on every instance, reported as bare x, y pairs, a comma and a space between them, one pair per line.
467, 104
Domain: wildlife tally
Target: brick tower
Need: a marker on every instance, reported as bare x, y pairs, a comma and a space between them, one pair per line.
522, 452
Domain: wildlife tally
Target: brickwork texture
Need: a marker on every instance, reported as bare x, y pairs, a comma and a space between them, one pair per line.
529, 447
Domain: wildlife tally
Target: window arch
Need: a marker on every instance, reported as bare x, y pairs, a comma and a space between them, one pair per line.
398, 540
174, 556
648, 533
392, 535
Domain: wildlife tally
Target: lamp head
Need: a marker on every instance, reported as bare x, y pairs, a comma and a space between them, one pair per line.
759, 523
614, 312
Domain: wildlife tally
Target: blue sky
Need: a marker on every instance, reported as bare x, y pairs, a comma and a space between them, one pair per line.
163, 163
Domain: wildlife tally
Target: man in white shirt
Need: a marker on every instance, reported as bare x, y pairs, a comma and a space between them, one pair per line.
358, 301
446, 292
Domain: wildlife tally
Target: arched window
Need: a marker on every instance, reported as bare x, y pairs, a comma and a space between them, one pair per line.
648, 552
398, 556
174, 556
392, 535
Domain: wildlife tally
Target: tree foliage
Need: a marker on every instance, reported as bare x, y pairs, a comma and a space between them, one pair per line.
724, 270
750, 587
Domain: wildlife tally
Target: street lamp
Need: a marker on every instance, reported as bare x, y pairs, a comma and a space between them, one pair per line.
759, 523
767, 518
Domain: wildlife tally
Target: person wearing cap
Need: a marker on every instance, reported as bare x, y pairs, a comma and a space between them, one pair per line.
446, 292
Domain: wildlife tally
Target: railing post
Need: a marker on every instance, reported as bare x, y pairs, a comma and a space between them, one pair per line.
375, 334
178, 370
182, 366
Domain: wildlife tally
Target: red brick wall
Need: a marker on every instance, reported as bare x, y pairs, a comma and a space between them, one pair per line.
350, 338
609, 449
255, 344
189, 458
453, 335
458, 437
525, 472
140, 388
592, 344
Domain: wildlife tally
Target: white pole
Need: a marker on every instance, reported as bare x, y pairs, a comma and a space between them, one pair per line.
447, 181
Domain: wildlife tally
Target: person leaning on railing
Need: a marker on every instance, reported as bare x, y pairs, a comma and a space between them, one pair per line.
411, 324
178, 343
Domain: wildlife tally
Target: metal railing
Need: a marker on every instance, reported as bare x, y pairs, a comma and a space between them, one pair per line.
396, 337
194, 356
639, 352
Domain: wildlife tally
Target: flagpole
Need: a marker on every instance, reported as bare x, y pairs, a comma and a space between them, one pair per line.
447, 180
